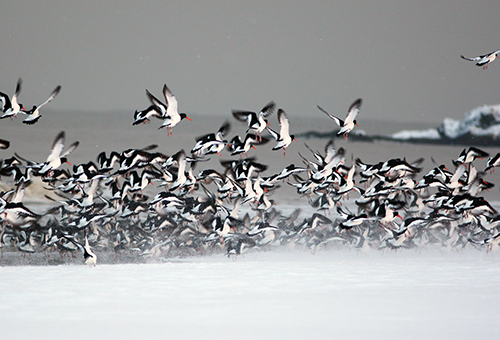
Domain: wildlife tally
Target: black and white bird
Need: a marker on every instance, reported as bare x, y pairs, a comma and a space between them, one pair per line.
256, 121
493, 162
17, 215
346, 125
211, 143
468, 156
484, 60
11, 107
88, 255
57, 156
283, 138
143, 116
34, 114
168, 111
239, 147
4, 144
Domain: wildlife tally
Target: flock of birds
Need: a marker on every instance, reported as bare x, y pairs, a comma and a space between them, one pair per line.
101, 206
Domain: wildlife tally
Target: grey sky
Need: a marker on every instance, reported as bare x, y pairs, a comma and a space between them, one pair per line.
402, 58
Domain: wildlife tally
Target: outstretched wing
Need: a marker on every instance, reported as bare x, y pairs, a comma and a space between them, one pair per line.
70, 149
159, 106
353, 111
52, 96
337, 120
284, 125
471, 59
4, 102
268, 109
224, 129
170, 99
57, 147
242, 116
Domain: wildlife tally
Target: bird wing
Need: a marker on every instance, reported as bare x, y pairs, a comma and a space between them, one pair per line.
160, 107
4, 102
52, 96
471, 59
273, 133
18, 87
268, 109
70, 149
57, 147
224, 129
242, 116
284, 125
171, 101
353, 111
337, 120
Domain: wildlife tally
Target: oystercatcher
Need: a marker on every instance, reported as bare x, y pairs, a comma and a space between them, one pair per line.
212, 142
484, 60
169, 110
348, 124
11, 107
57, 156
34, 114
283, 138
255, 121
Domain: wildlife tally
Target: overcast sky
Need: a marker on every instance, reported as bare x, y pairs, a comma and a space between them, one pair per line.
401, 57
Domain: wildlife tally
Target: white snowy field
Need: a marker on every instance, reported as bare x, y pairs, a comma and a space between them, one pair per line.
261, 295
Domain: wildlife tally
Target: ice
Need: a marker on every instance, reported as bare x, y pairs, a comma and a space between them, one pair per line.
261, 295
415, 134
481, 121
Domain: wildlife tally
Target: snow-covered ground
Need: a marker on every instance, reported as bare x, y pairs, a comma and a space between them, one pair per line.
261, 295
479, 122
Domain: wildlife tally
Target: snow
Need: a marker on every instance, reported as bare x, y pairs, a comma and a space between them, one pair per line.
273, 295
417, 134
481, 121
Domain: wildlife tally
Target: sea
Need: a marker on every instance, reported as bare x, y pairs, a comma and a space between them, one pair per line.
278, 294
113, 131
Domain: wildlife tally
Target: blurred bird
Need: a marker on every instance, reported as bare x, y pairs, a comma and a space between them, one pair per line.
34, 114
168, 111
11, 107
283, 138
255, 121
484, 60
348, 124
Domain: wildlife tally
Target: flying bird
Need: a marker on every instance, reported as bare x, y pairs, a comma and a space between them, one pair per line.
4, 144
348, 124
283, 138
11, 107
484, 60
57, 156
256, 121
34, 114
143, 116
169, 110
211, 143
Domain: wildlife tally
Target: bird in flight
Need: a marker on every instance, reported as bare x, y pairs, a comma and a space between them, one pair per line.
348, 124
484, 60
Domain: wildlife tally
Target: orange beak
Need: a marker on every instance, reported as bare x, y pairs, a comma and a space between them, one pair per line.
188, 118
